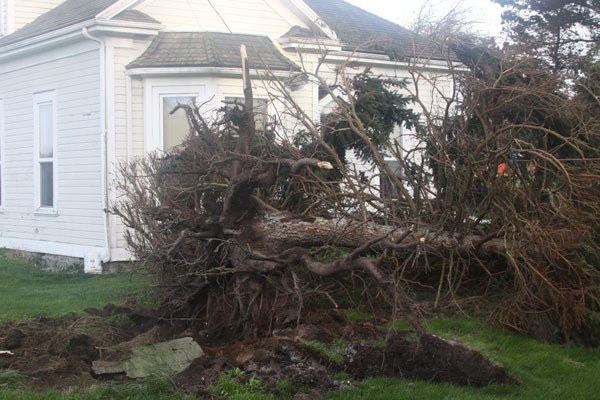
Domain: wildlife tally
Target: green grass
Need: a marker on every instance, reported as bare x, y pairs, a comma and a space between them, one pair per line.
10, 378
331, 353
156, 389
28, 292
357, 315
237, 385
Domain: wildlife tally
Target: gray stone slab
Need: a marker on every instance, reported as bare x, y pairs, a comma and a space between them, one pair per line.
159, 359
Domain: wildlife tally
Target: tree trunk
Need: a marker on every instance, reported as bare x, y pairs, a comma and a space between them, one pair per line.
315, 231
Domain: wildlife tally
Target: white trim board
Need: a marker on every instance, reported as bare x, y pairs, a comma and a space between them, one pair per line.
39, 246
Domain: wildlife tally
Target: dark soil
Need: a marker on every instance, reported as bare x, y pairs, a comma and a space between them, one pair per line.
430, 358
58, 352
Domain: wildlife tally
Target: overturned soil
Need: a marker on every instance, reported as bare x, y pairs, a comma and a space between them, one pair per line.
58, 352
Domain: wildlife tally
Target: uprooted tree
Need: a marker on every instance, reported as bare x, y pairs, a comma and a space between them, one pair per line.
495, 198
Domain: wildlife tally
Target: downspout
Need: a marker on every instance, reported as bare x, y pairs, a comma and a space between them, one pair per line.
103, 144
129, 112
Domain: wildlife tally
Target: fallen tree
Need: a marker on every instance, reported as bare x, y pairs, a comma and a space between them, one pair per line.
231, 220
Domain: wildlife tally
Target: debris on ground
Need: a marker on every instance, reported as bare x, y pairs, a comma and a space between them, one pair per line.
74, 352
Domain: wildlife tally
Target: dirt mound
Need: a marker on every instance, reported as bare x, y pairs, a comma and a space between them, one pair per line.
58, 352
429, 358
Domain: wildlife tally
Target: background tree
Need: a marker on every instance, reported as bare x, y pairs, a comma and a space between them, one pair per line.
557, 31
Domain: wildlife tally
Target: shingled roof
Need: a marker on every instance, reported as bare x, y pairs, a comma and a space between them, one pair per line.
135, 16
300, 32
360, 30
211, 49
70, 12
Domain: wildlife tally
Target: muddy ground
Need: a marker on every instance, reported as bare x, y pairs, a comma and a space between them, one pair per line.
58, 352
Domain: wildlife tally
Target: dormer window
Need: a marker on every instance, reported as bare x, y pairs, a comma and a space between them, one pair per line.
7, 17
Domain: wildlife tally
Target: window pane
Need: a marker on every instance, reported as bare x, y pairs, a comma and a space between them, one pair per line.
175, 126
261, 116
46, 184
46, 121
387, 185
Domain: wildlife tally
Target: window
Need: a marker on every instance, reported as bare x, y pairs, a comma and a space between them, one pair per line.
163, 129
175, 126
44, 122
391, 156
387, 183
261, 116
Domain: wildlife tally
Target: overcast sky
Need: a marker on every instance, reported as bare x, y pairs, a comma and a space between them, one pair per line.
403, 12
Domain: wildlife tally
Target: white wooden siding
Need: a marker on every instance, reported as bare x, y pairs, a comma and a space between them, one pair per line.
262, 17
6, 17
128, 136
78, 225
1, 154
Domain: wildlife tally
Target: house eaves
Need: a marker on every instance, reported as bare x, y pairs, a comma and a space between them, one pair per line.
126, 27
74, 32
46, 40
380, 60
208, 71
65, 15
316, 45
73, 15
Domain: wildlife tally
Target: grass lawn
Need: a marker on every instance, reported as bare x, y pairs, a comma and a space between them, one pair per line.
547, 371
27, 292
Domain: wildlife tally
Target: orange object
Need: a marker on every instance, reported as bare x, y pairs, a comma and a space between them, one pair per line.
532, 168
502, 168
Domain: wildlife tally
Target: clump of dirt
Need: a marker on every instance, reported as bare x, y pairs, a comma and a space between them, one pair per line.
428, 358
58, 352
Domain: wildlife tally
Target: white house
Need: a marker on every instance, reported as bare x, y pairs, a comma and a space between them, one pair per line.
85, 84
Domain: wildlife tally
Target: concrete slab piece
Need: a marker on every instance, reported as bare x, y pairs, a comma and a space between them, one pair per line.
159, 359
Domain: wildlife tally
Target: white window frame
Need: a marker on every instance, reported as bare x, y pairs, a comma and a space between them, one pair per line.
397, 138
2, 153
42, 99
161, 112
153, 119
